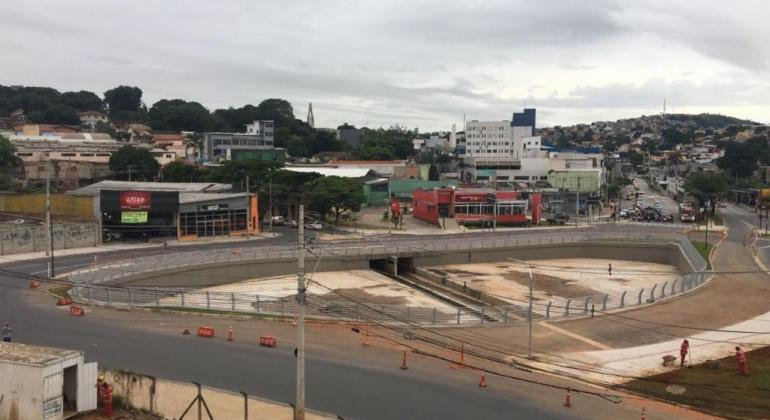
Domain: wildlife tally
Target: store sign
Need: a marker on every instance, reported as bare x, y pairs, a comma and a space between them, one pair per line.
213, 207
52, 408
135, 200
133, 217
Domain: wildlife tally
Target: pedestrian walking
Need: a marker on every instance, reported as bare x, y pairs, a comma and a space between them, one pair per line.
6, 332
609, 270
743, 361
683, 350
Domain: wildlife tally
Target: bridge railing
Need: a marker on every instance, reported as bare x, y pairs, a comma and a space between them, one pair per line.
89, 285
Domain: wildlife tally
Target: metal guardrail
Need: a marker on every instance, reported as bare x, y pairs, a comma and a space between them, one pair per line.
88, 289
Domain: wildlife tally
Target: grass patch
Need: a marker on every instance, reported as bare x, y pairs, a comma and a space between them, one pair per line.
60, 291
204, 311
720, 391
704, 250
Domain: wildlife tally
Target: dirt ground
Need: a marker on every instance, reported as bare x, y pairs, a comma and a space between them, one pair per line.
721, 391
565, 278
366, 285
117, 415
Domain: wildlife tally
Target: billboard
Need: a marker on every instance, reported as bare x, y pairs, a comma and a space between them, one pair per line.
133, 217
135, 200
129, 200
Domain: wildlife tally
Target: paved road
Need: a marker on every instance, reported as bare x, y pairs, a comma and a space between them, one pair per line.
353, 389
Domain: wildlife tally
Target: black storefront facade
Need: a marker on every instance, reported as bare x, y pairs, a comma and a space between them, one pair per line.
128, 214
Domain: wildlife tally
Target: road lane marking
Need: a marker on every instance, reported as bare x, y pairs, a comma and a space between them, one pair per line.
579, 337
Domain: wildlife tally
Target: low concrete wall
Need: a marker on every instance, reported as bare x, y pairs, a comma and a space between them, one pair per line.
669, 254
35, 238
170, 399
228, 272
223, 273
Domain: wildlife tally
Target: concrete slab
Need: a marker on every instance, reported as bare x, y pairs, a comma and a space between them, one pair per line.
565, 278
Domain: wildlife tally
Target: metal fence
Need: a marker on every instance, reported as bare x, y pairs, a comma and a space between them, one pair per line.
88, 289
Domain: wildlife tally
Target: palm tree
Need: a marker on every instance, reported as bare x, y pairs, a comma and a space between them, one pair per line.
196, 142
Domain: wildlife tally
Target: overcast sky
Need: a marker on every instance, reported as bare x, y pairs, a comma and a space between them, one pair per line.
413, 62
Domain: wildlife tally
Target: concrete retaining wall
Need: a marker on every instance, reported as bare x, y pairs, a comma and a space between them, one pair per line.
223, 273
655, 253
228, 272
35, 238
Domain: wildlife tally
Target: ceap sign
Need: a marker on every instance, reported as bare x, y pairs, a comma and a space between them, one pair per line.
135, 200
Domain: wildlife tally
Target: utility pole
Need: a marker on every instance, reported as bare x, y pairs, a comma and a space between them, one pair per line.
51, 270
129, 172
270, 195
299, 408
387, 207
577, 201
529, 312
248, 200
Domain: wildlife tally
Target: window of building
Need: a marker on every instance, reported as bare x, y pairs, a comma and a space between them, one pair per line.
86, 154
521, 178
69, 154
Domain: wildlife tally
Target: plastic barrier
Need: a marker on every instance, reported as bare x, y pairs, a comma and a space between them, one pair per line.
77, 310
267, 341
207, 332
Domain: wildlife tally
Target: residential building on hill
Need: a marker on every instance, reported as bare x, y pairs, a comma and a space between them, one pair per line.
90, 119
256, 143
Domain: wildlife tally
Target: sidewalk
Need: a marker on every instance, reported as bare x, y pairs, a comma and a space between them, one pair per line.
112, 247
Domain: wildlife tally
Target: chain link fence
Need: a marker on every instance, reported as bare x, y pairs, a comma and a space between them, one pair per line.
87, 288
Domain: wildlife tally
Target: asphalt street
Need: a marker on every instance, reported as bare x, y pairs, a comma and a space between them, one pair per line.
349, 389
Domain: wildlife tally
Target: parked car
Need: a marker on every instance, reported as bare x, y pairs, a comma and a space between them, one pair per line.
290, 223
624, 213
314, 225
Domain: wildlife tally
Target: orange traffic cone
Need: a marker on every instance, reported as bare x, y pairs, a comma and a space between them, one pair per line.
34, 284
483, 382
230, 334
568, 399
186, 330
403, 362
365, 340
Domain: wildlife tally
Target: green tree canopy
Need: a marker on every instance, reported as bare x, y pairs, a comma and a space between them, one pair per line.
740, 159
297, 147
124, 98
235, 172
180, 115
334, 195
82, 100
196, 141
9, 163
706, 186
179, 171
390, 143
139, 162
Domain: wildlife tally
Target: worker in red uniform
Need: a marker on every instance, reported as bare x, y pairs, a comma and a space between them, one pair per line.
683, 350
743, 361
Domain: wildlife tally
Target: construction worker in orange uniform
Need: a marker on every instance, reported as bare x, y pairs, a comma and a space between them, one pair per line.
683, 350
743, 361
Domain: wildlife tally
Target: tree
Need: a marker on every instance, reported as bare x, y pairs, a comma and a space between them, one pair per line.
235, 172
180, 115
281, 136
279, 111
124, 98
82, 100
297, 147
740, 159
196, 141
133, 162
636, 158
179, 171
395, 142
335, 195
706, 186
9, 164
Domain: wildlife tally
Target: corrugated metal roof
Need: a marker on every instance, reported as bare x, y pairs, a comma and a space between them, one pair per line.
33, 355
187, 198
328, 171
193, 187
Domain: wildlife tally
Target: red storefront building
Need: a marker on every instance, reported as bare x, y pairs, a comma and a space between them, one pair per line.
476, 206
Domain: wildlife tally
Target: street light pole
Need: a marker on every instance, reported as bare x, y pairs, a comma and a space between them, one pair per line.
299, 408
51, 271
529, 312
270, 199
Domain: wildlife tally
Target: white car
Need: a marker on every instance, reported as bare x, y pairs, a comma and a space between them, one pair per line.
624, 213
314, 226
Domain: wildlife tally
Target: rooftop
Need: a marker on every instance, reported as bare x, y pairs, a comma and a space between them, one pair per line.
193, 187
33, 355
187, 198
329, 171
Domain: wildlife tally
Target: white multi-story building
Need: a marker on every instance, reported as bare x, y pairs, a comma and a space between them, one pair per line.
508, 151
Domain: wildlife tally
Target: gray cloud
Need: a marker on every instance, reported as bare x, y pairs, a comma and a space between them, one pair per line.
416, 63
